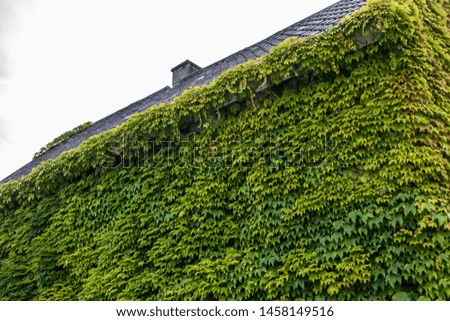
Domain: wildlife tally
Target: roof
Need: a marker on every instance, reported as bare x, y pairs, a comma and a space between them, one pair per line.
312, 25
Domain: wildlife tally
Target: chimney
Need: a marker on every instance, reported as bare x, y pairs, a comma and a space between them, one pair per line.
182, 71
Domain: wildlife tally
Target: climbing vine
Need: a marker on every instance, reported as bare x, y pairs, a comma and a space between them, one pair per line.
319, 171
61, 139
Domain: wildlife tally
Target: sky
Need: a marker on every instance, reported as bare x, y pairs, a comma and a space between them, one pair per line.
63, 62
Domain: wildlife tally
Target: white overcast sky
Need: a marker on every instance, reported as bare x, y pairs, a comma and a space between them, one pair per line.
65, 62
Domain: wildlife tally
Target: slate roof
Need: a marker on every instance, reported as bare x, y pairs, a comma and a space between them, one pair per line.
312, 25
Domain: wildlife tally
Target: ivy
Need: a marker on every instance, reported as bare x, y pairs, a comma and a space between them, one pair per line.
319, 171
62, 138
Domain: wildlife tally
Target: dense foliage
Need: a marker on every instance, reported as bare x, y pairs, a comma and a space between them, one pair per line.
62, 138
332, 183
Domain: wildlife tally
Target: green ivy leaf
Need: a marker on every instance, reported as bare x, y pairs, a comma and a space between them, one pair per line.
401, 296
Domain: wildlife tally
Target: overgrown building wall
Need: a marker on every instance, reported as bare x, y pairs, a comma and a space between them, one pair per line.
319, 171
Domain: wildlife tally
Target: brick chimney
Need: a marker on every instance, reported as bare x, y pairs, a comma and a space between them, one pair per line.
182, 71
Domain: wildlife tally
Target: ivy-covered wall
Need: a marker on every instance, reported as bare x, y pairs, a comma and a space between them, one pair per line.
332, 183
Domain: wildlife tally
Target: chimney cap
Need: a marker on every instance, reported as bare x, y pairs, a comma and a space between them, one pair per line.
186, 62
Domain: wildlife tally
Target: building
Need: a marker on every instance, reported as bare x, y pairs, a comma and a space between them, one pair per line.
321, 172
